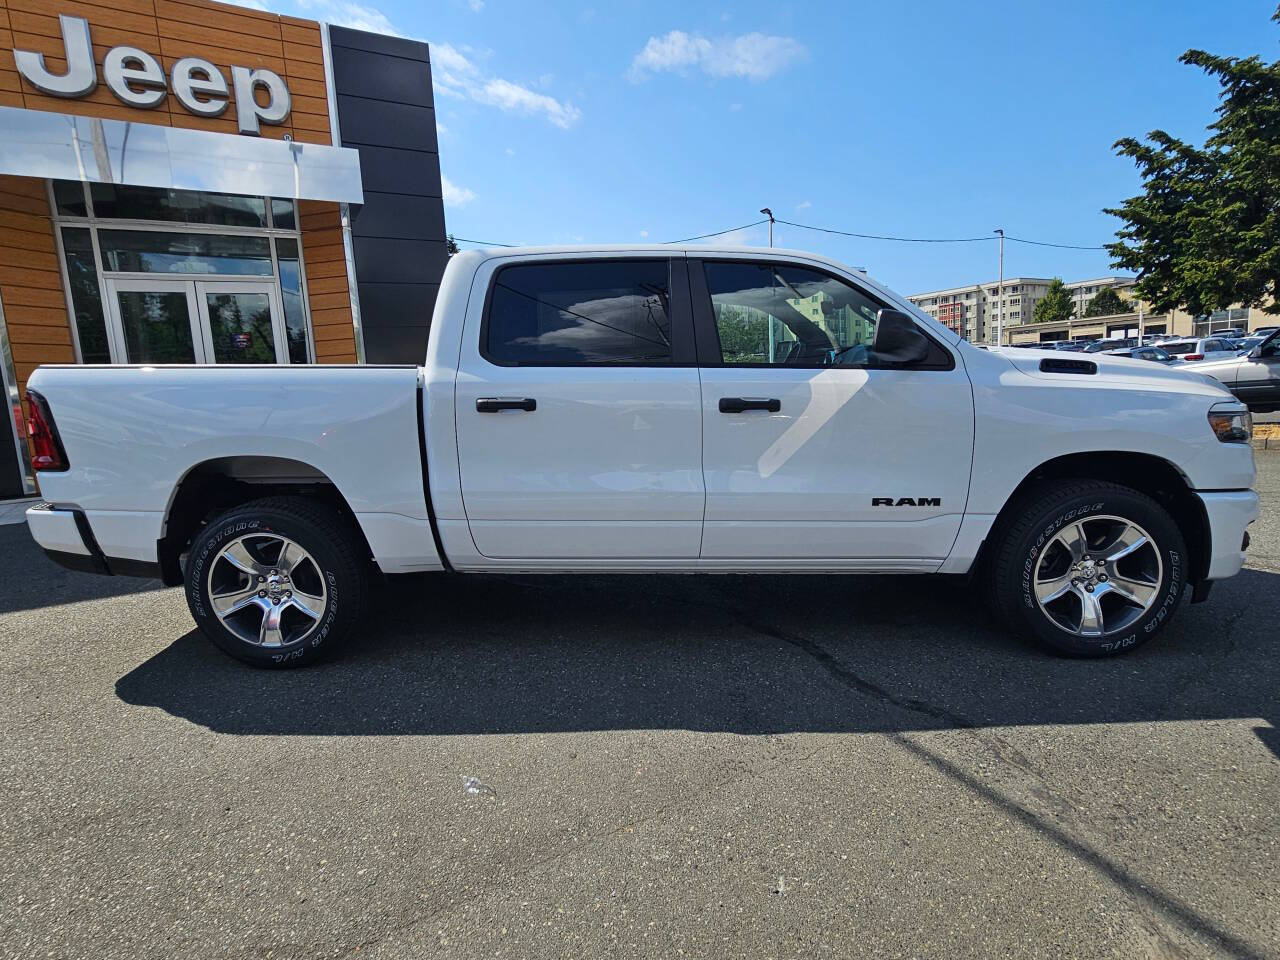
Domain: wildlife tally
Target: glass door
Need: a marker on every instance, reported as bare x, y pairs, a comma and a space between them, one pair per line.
242, 322
195, 321
155, 321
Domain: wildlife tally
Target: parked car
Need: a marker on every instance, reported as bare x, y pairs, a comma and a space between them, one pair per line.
1253, 377
1195, 350
1149, 352
648, 409
1105, 346
1246, 344
1265, 331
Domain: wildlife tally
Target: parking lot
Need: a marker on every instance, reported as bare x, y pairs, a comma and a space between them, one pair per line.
638, 767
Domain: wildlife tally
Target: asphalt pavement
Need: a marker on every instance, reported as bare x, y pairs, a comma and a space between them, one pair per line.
638, 767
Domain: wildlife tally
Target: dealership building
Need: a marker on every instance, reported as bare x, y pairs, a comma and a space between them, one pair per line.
190, 182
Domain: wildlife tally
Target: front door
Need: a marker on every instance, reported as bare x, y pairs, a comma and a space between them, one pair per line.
194, 321
814, 448
1257, 378
578, 412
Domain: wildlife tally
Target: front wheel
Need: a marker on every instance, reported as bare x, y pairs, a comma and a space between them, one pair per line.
275, 582
1088, 568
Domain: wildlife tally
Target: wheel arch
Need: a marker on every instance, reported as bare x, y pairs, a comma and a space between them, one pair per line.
216, 485
1149, 474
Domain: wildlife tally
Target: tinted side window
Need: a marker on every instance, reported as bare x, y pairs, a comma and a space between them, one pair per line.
566, 314
780, 314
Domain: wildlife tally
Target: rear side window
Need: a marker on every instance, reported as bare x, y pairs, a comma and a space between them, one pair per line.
569, 314
1178, 349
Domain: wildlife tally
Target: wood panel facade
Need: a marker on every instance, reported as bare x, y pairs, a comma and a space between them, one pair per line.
32, 293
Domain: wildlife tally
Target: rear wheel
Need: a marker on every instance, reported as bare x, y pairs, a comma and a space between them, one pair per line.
1088, 568
275, 582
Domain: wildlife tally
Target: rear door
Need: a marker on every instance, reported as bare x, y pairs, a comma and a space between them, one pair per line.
578, 411
813, 449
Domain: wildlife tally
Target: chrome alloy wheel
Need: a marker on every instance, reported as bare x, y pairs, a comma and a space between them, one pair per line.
266, 589
1098, 575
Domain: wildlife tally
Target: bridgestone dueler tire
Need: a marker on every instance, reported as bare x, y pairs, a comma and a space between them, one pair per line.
329, 539
1036, 518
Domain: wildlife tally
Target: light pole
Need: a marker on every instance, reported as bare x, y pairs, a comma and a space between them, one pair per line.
1000, 293
769, 213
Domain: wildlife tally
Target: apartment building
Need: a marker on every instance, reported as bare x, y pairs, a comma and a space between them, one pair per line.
972, 310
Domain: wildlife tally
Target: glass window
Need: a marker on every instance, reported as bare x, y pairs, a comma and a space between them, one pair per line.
295, 314
152, 251
789, 315
240, 325
566, 314
69, 197
86, 295
283, 215
111, 201
784, 314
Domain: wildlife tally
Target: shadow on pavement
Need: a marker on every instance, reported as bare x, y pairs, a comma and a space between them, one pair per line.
450, 654
32, 581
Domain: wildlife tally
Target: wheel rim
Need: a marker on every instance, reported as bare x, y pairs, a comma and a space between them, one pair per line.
266, 590
1098, 575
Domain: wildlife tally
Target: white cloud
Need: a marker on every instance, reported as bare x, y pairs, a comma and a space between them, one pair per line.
454, 195
475, 5
755, 56
644, 233
510, 152
804, 205
251, 4
506, 95
441, 129
735, 107
454, 74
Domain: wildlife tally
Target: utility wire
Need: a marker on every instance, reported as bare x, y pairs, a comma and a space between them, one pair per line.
876, 236
844, 233
1060, 246
720, 233
484, 243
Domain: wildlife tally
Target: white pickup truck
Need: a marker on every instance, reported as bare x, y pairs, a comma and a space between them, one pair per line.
652, 409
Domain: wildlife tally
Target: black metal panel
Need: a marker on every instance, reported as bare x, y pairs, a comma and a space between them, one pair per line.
395, 344
358, 73
396, 304
394, 215
10, 470
379, 43
383, 124
399, 261
385, 110
389, 170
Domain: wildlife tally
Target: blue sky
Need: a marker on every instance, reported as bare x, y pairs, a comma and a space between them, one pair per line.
624, 121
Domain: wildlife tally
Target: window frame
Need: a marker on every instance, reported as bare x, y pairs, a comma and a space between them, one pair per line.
682, 336
707, 334
93, 223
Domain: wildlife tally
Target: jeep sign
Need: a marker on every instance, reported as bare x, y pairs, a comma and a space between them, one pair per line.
136, 79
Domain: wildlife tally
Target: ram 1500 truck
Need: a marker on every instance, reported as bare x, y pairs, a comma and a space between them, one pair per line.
646, 409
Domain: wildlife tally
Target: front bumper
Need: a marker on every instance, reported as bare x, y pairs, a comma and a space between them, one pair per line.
1229, 513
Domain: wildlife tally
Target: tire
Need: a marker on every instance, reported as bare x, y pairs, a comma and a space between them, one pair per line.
1087, 568
240, 579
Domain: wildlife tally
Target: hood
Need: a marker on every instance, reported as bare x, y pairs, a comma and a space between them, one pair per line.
1115, 371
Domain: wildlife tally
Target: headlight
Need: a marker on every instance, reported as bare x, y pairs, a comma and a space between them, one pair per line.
1232, 426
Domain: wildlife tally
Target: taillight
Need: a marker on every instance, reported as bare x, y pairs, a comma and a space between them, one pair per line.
45, 444
1193, 356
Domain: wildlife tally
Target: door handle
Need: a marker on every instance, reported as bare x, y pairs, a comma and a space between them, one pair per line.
495, 404
739, 404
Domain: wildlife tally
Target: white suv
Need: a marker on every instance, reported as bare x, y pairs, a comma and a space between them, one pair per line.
1202, 348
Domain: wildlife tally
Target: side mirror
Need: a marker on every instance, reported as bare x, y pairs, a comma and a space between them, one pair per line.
898, 339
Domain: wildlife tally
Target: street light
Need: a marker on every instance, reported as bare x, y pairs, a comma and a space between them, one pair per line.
1000, 292
769, 213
